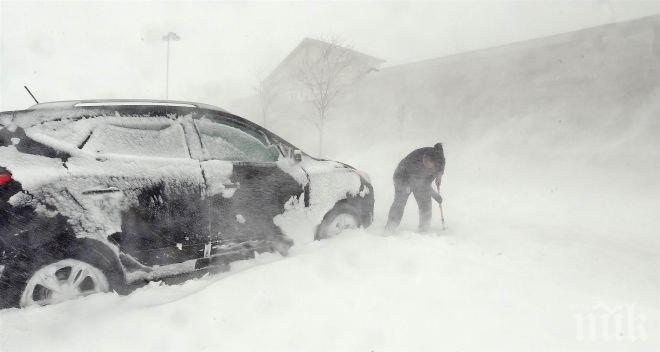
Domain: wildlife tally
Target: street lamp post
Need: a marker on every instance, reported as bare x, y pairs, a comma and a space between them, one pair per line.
169, 37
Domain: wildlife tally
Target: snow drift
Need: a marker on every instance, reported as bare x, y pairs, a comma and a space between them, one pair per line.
546, 225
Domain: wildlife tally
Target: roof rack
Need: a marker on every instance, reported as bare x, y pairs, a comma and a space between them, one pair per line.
120, 102
129, 103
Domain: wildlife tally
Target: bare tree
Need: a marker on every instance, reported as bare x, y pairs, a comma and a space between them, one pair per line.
324, 75
402, 117
266, 90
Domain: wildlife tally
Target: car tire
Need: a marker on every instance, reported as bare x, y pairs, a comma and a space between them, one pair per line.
342, 217
96, 274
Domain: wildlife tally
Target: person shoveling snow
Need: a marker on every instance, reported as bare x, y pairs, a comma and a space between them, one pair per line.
415, 174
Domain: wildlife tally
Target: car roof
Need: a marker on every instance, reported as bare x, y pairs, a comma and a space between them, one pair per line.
75, 109
71, 104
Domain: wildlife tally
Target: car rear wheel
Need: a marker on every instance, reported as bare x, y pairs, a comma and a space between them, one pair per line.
63, 280
342, 217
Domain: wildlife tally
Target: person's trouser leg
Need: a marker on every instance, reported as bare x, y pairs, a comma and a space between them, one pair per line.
423, 198
401, 193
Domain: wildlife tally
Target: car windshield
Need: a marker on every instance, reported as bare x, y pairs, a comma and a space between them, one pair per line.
266, 137
225, 142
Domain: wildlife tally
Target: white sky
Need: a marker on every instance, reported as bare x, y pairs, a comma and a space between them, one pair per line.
69, 50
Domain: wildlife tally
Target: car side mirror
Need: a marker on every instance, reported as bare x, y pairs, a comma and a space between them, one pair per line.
297, 156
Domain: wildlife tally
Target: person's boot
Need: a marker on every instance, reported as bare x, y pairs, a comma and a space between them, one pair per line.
424, 228
390, 229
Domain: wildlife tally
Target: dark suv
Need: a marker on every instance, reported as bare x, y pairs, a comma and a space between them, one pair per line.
100, 195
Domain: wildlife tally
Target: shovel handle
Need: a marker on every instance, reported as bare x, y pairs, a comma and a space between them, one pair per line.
442, 216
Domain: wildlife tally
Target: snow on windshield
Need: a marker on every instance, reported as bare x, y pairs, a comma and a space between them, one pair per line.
224, 142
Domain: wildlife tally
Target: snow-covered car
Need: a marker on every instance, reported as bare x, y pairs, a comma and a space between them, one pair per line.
99, 195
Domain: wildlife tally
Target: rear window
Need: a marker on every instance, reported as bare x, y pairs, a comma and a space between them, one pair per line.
25, 144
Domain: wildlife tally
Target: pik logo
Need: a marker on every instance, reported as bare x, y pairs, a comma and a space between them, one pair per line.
617, 323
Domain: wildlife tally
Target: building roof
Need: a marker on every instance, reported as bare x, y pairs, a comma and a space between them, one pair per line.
307, 43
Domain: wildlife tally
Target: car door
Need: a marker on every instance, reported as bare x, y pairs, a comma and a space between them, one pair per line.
246, 187
144, 180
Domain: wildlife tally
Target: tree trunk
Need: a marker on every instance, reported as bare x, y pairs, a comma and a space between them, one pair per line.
321, 136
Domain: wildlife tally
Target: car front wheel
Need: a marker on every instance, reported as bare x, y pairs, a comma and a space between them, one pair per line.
339, 219
61, 281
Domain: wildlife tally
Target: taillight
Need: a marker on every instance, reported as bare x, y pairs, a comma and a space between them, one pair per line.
5, 178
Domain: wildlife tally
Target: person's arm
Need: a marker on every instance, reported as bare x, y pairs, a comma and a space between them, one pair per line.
435, 195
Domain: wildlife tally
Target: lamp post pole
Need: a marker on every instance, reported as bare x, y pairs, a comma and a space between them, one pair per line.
171, 36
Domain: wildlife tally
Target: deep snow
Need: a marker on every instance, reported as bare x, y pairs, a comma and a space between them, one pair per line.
551, 198
526, 249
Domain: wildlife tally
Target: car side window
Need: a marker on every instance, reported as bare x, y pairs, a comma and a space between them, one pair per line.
168, 142
224, 142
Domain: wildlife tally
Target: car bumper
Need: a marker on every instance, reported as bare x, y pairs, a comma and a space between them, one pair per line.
367, 206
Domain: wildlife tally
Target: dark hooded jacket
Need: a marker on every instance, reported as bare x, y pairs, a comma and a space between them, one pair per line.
412, 171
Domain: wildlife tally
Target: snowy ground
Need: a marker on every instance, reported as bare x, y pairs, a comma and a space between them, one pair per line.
528, 252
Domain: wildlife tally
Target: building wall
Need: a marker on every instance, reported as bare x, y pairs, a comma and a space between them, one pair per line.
575, 88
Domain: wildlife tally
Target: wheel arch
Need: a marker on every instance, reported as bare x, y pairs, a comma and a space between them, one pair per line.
100, 254
62, 246
348, 205
362, 206
92, 251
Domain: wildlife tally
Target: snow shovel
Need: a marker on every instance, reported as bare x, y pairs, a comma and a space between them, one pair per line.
442, 213
442, 216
